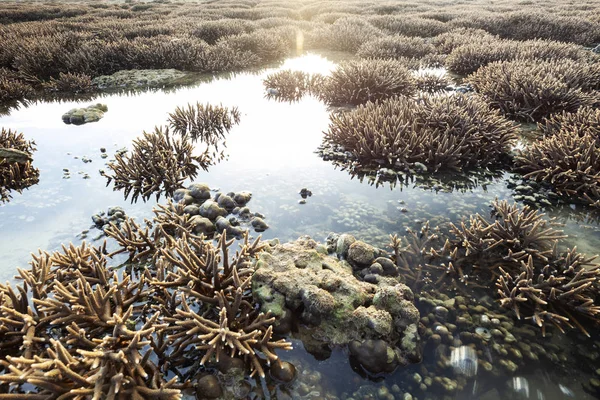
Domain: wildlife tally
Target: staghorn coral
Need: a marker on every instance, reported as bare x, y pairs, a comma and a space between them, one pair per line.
529, 90
12, 88
432, 83
514, 250
560, 292
204, 122
585, 121
396, 47
70, 83
121, 333
357, 82
438, 132
16, 171
158, 164
291, 85
569, 160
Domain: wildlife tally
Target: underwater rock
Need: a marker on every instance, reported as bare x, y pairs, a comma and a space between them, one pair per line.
322, 291
259, 224
211, 210
283, 371
202, 225
208, 387
343, 244
140, 78
199, 191
79, 116
226, 202
361, 253
242, 198
375, 356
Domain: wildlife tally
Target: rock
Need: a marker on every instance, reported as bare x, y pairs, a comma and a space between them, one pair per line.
202, 225
226, 202
115, 210
208, 387
361, 253
199, 191
375, 356
211, 210
14, 156
79, 116
140, 78
259, 224
282, 371
223, 224
180, 194
323, 292
192, 209
375, 269
242, 198
389, 268
343, 244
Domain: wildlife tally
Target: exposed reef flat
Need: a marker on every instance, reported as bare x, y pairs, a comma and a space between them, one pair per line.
140, 78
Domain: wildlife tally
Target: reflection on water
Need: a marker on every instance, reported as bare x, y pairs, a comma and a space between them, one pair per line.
272, 154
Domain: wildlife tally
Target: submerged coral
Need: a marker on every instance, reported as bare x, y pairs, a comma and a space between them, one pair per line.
569, 160
357, 82
529, 90
16, 170
77, 327
204, 122
454, 132
516, 250
291, 85
158, 164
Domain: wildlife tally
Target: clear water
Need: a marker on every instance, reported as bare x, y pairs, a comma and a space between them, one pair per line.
272, 154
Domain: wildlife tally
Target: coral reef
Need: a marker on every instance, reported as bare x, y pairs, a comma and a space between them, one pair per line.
158, 163
16, 170
569, 160
585, 121
70, 83
529, 90
434, 132
357, 82
80, 116
291, 85
396, 47
341, 310
77, 327
516, 250
204, 122
432, 83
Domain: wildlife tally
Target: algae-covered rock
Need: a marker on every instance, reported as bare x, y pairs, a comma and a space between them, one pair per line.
324, 293
141, 78
79, 116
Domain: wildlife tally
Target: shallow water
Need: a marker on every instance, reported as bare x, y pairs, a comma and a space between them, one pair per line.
272, 154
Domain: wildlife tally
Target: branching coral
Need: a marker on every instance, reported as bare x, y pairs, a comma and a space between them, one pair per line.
432, 83
70, 83
16, 171
158, 164
453, 132
116, 329
568, 160
204, 122
529, 90
396, 47
585, 121
291, 85
357, 82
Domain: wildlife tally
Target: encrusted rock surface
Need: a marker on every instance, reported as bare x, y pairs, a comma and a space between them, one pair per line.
140, 78
340, 308
79, 116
